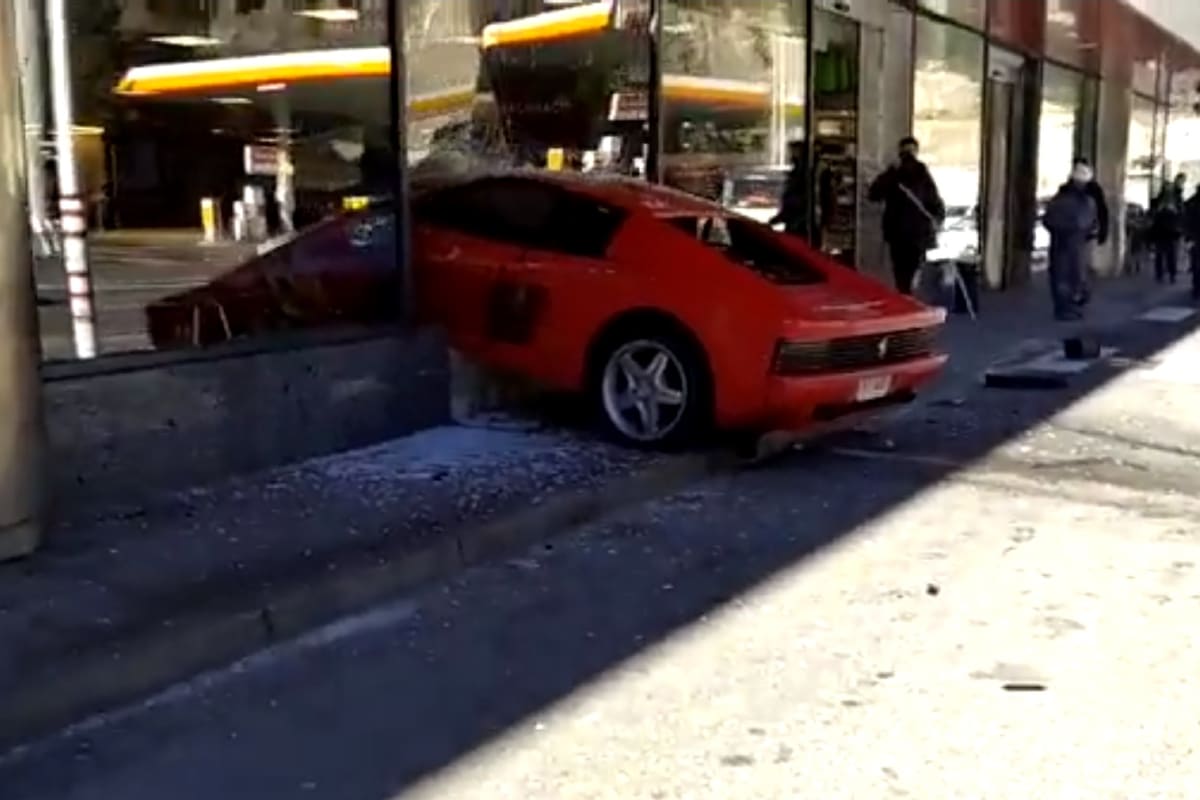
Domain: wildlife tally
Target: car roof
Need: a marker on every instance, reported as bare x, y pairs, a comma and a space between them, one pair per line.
631, 194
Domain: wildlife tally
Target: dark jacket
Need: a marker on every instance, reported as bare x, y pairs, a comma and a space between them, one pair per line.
1097, 195
903, 220
1071, 216
793, 204
1191, 217
1167, 213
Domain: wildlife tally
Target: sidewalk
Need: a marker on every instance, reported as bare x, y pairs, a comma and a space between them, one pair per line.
116, 608
1020, 320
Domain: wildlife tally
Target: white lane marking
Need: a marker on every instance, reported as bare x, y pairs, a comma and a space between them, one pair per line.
1168, 314
322, 638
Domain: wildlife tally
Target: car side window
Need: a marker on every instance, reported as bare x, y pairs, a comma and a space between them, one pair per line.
525, 213
500, 210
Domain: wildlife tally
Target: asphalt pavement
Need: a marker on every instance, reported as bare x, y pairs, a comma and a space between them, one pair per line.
130, 270
993, 595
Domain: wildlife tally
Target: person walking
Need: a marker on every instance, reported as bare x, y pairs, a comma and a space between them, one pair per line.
1072, 220
913, 212
1099, 238
793, 204
1166, 229
1191, 229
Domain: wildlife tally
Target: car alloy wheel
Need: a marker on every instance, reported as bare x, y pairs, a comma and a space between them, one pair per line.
645, 391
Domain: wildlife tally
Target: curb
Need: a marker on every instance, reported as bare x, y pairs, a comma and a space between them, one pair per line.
138, 664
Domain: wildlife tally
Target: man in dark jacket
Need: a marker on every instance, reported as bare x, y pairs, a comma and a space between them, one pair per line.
1166, 229
793, 204
913, 212
1071, 219
1095, 192
1191, 229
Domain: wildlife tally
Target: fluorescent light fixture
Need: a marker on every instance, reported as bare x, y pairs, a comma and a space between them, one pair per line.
185, 40
330, 14
271, 88
233, 101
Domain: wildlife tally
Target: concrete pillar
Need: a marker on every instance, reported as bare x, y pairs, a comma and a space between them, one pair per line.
1112, 149
21, 432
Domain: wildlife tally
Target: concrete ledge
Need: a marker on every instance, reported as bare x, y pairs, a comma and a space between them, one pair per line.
226, 623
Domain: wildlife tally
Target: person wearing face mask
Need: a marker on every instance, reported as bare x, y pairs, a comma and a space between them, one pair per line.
913, 212
1072, 220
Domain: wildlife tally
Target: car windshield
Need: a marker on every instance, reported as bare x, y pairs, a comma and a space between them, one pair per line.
750, 245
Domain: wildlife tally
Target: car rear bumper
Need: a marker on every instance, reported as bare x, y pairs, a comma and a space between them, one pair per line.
831, 401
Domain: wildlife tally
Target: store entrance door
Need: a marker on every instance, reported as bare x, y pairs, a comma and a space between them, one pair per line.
1003, 120
835, 83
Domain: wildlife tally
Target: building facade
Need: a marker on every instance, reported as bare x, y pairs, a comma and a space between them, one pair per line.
234, 155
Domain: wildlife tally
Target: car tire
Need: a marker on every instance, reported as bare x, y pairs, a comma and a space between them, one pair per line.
651, 388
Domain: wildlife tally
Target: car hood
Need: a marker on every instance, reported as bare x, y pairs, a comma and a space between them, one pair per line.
842, 311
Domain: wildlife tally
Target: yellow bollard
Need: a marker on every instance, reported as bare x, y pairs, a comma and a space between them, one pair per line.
208, 219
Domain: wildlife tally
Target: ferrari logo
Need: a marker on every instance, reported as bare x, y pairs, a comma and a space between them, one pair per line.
881, 349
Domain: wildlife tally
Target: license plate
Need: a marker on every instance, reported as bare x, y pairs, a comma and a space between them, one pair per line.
873, 388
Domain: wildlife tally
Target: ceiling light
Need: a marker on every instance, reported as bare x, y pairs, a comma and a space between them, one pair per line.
269, 88
330, 14
233, 101
185, 40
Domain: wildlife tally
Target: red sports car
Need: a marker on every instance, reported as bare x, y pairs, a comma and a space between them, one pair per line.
672, 314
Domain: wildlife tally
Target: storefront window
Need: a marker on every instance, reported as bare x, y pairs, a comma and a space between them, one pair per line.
947, 119
527, 83
1183, 127
236, 163
1062, 103
733, 96
1141, 164
968, 12
1073, 32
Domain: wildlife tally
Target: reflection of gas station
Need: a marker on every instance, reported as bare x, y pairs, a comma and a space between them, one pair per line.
447, 92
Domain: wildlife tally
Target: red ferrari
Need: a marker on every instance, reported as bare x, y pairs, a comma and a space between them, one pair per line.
671, 314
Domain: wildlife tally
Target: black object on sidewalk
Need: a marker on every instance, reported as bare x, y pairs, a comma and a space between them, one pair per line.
1081, 348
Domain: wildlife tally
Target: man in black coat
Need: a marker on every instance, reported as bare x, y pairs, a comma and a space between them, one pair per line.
1100, 237
1191, 229
913, 212
793, 205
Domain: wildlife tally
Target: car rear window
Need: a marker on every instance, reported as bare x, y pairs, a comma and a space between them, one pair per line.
751, 245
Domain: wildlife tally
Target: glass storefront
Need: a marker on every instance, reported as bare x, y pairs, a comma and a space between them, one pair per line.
968, 12
523, 83
1141, 164
1058, 134
947, 120
1182, 150
216, 142
236, 154
734, 91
